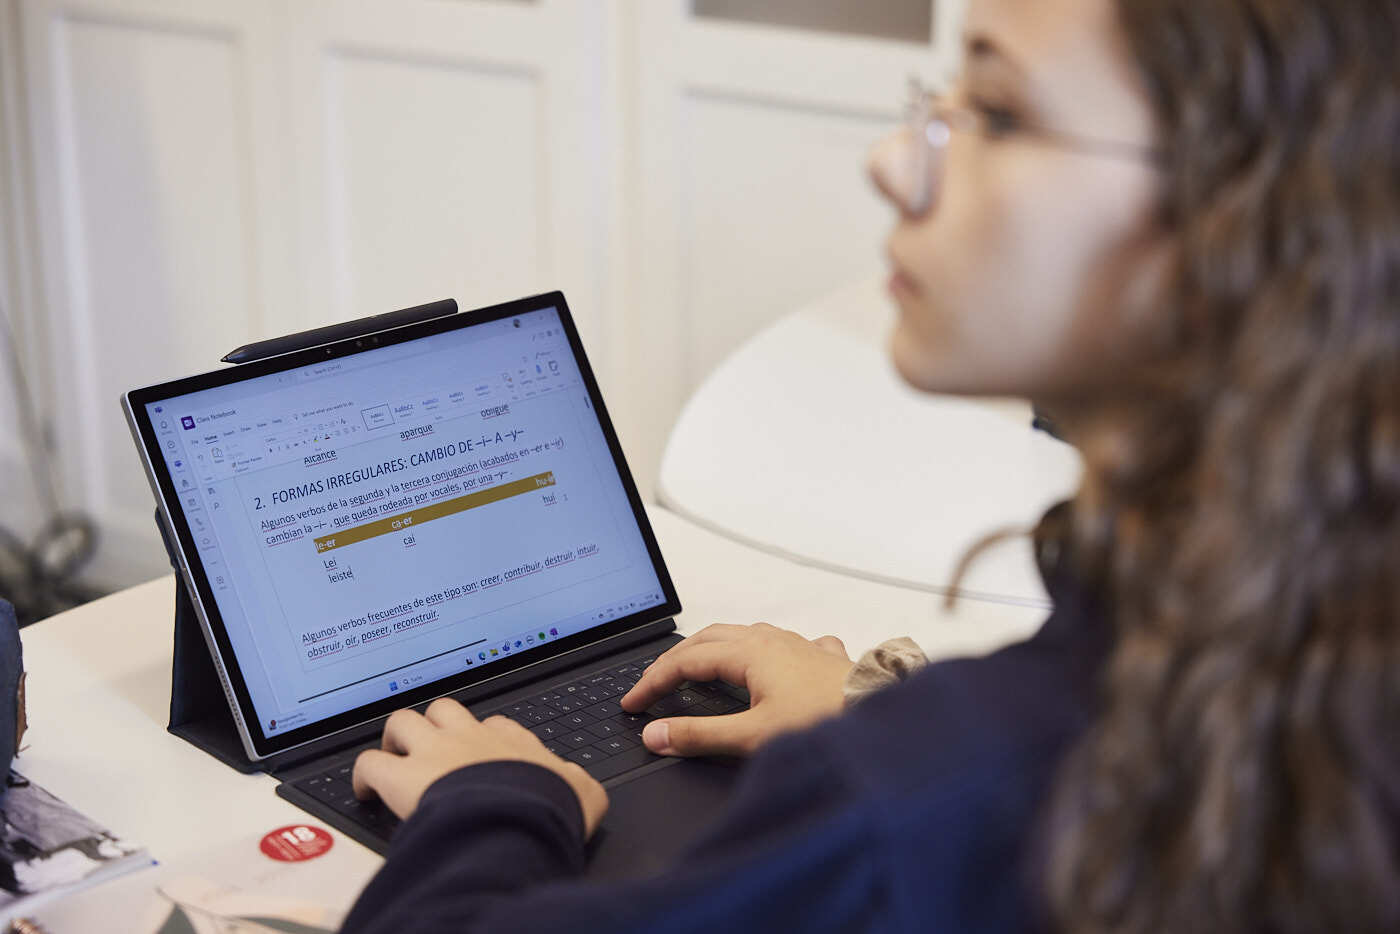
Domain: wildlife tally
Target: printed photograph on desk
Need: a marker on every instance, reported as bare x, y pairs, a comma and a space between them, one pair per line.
191, 905
49, 849
262, 883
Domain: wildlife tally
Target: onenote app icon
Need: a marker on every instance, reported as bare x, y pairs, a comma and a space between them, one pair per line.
186, 422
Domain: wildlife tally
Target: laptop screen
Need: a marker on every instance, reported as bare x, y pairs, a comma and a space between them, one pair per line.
377, 522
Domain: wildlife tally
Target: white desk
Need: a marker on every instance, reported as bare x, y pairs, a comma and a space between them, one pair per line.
99, 683
807, 444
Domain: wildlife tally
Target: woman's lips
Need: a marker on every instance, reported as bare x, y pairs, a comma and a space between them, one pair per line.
900, 284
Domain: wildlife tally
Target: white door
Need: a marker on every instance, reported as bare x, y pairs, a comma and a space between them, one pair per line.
210, 171
156, 186
449, 149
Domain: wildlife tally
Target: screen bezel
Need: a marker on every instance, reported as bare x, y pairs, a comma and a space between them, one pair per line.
137, 401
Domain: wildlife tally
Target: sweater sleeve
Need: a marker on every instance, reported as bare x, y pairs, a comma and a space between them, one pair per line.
478, 833
499, 846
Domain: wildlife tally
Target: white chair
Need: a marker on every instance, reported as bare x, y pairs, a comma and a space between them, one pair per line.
805, 443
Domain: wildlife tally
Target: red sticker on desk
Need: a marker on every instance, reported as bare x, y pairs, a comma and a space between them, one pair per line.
295, 843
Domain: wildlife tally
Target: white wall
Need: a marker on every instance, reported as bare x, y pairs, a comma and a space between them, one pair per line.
181, 176
18, 510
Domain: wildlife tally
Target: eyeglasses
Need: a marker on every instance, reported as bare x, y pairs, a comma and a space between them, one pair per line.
931, 121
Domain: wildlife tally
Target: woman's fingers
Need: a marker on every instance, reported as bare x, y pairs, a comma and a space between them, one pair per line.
715, 632
372, 768
447, 713
405, 729
726, 661
833, 645
737, 734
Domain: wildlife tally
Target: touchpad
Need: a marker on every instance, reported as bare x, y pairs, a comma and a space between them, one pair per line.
657, 815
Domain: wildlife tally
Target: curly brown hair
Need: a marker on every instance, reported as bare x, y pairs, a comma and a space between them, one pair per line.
1244, 771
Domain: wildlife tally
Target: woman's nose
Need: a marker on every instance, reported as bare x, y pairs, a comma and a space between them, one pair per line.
895, 173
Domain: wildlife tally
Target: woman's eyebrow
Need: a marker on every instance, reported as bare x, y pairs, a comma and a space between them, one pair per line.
984, 51
987, 62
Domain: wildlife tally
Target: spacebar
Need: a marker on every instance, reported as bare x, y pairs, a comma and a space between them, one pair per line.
624, 761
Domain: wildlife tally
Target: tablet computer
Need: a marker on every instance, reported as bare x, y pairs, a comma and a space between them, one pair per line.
369, 524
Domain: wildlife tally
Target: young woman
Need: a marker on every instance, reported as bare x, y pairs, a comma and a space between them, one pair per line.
1176, 224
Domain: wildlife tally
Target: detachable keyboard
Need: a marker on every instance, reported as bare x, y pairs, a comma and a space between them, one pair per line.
578, 719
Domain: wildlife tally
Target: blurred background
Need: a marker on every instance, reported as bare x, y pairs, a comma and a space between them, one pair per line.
179, 177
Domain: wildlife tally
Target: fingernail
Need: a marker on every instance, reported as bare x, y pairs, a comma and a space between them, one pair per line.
657, 736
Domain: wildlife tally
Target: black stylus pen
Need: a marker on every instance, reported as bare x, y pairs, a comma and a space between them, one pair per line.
335, 332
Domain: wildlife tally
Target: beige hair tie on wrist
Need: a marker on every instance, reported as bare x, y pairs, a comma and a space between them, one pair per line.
888, 663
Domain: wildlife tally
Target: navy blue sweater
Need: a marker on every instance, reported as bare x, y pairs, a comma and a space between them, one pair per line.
915, 811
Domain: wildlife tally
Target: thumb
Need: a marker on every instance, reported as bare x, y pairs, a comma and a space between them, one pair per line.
735, 734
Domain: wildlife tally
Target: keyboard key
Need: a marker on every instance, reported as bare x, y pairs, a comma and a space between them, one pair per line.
605, 710
602, 692
374, 814
667, 706
723, 705
587, 756
603, 729
622, 762
541, 714
617, 744
688, 698
558, 748
543, 700
570, 704
578, 740
384, 823
577, 720
569, 689
325, 788
547, 731
599, 678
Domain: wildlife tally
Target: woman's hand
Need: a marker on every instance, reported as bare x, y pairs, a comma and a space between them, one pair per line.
792, 683
418, 749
